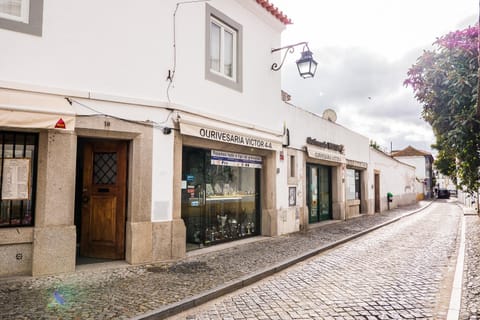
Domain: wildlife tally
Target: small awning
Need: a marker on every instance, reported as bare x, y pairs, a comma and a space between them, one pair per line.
24, 109
230, 133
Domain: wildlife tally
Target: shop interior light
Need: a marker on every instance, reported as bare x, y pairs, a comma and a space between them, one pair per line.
306, 64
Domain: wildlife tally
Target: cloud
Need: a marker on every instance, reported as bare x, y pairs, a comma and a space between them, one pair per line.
367, 92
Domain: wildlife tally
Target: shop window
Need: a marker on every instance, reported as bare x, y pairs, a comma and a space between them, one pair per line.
18, 165
220, 196
24, 16
353, 184
223, 50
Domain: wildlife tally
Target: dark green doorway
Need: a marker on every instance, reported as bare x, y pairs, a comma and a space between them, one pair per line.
319, 193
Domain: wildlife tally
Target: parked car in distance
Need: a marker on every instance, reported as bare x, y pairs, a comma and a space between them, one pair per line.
443, 194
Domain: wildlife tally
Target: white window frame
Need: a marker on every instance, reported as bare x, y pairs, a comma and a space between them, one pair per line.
24, 15
223, 29
31, 21
235, 81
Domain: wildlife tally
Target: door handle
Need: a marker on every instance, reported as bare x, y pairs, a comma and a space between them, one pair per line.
85, 198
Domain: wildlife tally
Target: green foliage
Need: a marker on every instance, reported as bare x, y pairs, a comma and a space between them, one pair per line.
445, 81
374, 145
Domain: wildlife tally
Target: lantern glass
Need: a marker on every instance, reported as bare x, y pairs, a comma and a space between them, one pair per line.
306, 65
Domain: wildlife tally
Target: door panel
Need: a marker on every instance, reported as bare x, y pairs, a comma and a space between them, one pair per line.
313, 194
377, 192
319, 197
103, 199
103, 220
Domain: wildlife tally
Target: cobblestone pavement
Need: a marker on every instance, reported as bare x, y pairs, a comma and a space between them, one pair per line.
471, 274
126, 292
402, 271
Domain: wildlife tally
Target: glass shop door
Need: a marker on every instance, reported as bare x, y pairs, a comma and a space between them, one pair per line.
319, 194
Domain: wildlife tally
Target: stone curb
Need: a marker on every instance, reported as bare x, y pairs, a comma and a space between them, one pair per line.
229, 287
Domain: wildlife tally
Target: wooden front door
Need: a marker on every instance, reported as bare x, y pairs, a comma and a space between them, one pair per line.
104, 199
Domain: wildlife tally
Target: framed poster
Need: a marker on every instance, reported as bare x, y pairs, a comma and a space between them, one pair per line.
292, 196
16, 177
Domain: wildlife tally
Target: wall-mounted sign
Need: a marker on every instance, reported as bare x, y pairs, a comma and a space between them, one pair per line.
357, 164
292, 196
16, 173
325, 154
231, 137
232, 159
326, 145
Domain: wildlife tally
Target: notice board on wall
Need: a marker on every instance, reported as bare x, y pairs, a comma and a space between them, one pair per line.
15, 180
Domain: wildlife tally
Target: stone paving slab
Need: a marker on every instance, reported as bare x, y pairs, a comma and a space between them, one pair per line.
470, 309
133, 291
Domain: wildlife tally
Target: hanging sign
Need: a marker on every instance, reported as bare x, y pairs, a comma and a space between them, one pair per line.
232, 159
16, 174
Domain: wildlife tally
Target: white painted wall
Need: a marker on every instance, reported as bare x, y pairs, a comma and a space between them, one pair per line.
126, 49
111, 50
418, 162
395, 177
303, 124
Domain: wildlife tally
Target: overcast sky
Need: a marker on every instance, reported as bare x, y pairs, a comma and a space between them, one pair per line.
364, 49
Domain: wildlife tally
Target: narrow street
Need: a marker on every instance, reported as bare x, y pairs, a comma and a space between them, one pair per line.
402, 271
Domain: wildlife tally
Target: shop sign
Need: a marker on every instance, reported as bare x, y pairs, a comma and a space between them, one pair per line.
232, 159
326, 145
15, 179
357, 164
229, 137
325, 154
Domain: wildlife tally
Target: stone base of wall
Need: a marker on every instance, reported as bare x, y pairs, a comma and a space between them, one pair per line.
53, 250
16, 259
138, 242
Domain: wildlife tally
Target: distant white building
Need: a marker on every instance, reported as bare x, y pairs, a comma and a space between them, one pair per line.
423, 162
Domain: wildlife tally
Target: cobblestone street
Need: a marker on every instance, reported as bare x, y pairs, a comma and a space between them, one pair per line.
402, 271
397, 271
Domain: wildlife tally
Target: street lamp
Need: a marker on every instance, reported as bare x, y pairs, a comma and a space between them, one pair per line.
306, 65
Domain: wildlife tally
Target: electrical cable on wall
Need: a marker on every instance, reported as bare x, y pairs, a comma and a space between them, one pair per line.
171, 73
148, 123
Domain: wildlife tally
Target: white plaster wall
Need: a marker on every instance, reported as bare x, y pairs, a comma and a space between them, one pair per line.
418, 162
395, 177
303, 124
126, 49
162, 175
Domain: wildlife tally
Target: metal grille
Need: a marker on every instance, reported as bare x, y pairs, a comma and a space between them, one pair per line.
18, 155
105, 168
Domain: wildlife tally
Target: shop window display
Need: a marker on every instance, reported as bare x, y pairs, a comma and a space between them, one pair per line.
220, 196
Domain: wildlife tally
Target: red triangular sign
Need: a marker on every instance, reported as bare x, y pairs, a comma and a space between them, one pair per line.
60, 124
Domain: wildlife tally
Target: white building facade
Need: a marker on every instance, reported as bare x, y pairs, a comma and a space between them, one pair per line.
144, 133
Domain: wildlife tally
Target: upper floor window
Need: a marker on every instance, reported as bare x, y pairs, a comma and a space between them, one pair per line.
15, 10
24, 16
223, 43
223, 50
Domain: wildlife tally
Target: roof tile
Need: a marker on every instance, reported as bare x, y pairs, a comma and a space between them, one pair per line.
275, 11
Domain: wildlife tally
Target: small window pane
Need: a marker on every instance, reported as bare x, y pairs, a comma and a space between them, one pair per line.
15, 9
215, 47
228, 52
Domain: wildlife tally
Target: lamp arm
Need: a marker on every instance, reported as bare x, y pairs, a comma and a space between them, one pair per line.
291, 49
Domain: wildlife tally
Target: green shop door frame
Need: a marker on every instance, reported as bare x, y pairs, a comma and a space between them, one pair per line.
319, 192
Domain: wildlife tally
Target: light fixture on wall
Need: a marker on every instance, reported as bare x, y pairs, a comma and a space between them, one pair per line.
306, 65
